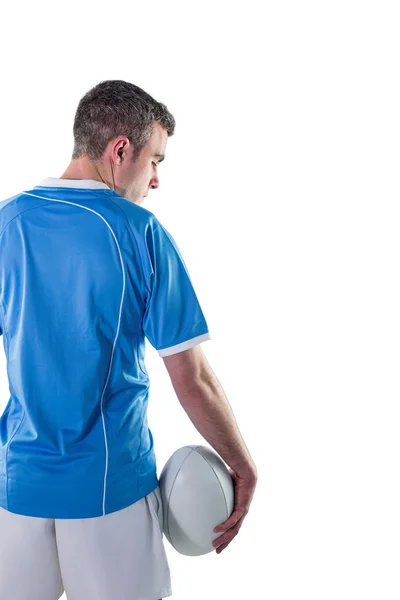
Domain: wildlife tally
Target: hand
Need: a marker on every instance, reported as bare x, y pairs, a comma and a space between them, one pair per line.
244, 488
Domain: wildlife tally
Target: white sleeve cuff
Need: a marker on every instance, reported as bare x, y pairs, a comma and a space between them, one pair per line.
184, 345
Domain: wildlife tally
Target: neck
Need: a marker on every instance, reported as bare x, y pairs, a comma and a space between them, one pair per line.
83, 168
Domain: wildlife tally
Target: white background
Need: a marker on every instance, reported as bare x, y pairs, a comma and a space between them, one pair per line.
281, 189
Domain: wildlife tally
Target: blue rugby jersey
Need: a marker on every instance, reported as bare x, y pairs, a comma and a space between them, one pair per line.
85, 277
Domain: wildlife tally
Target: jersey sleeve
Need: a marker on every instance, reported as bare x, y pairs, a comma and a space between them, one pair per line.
173, 319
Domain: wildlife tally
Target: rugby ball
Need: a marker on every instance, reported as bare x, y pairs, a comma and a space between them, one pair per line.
197, 494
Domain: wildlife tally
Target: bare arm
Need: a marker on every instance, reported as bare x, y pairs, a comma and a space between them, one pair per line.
202, 397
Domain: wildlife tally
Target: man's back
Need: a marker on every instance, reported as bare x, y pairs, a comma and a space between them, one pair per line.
85, 276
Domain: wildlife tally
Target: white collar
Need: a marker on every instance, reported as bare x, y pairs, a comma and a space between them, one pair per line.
73, 183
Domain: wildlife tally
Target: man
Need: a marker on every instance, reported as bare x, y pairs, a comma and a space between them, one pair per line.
85, 275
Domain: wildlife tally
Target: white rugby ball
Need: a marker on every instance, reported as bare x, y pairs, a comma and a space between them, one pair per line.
197, 494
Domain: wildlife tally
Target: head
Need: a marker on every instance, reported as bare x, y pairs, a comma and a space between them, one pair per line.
120, 137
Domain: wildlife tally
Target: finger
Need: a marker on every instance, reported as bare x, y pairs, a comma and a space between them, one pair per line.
223, 546
228, 535
235, 517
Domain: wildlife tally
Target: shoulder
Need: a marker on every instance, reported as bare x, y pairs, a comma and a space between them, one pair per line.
137, 216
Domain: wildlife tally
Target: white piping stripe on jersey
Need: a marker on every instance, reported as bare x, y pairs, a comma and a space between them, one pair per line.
119, 320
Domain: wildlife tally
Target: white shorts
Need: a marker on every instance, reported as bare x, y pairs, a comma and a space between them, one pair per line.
119, 556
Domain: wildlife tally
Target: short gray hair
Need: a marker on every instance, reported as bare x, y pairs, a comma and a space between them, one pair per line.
116, 108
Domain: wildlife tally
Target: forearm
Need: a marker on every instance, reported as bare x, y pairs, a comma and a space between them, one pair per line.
210, 412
